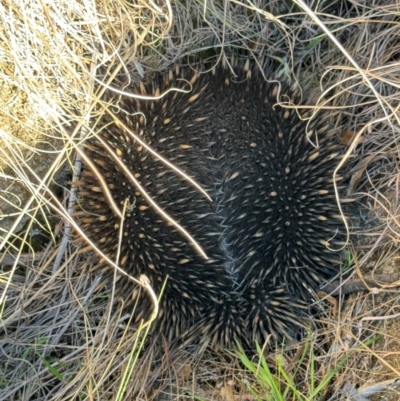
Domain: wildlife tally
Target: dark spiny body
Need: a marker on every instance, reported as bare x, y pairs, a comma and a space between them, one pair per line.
266, 229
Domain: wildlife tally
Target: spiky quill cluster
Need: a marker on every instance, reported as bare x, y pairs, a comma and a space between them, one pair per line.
241, 258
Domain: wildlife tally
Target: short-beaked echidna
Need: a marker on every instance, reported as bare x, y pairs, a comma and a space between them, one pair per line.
270, 224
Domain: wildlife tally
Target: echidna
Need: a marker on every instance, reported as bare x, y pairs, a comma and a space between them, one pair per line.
267, 227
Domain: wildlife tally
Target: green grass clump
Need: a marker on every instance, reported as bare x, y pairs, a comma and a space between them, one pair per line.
302, 382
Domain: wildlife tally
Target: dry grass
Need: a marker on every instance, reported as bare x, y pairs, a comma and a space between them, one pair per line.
58, 338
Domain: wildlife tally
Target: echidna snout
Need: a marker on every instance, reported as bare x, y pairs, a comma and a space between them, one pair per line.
264, 231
